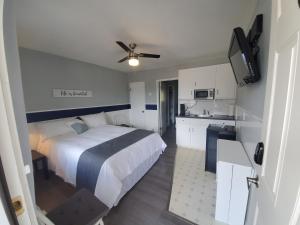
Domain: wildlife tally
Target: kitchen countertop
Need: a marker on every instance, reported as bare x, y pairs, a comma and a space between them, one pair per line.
232, 152
214, 117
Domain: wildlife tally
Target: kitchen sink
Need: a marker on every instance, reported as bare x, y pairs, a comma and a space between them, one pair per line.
206, 115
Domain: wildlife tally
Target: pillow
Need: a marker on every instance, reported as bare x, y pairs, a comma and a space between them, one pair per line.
95, 120
52, 128
34, 136
78, 126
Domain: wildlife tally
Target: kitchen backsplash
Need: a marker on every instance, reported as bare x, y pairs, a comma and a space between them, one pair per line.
219, 107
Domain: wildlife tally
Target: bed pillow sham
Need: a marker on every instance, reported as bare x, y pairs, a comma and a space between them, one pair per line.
94, 120
52, 128
78, 126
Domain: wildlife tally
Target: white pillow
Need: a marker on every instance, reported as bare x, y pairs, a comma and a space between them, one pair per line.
94, 120
53, 128
75, 120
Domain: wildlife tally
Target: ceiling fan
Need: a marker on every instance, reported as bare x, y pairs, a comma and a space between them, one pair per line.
133, 57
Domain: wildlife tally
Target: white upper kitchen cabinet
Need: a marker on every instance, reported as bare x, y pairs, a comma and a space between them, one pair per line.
225, 82
186, 84
195, 78
220, 77
205, 77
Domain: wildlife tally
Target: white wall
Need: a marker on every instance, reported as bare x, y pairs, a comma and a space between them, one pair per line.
152, 120
42, 72
250, 102
251, 98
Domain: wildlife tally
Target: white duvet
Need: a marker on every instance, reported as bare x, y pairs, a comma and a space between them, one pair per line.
63, 153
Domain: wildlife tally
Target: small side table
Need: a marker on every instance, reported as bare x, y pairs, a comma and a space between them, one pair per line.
36, 157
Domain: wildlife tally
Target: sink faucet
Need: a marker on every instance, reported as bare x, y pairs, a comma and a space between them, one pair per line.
204, 111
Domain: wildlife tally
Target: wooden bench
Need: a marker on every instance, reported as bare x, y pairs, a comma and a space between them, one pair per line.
83, 208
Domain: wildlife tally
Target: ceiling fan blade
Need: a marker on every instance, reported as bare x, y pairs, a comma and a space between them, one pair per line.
146, 55
122, 60
122, 45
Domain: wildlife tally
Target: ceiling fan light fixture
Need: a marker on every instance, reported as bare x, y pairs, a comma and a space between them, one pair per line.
133, 57
133, 61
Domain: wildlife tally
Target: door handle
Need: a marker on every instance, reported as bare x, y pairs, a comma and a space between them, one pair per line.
18, 205
143, 111
252, 180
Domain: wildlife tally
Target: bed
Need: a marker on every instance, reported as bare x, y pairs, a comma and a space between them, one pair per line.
118, 173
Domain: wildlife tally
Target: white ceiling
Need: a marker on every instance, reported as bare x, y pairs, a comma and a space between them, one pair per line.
86, 30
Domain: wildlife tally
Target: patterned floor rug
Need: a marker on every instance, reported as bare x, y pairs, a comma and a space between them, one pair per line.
193, 194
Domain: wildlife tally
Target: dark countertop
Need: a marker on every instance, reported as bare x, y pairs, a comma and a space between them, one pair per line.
215, 117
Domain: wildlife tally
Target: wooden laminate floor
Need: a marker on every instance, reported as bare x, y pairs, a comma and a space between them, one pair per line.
145, 204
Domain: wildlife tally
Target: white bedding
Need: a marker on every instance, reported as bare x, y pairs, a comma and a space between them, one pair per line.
63, 153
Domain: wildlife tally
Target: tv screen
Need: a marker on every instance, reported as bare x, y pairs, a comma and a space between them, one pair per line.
241, 59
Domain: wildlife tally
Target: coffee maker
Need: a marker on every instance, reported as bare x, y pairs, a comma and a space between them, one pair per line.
182, 110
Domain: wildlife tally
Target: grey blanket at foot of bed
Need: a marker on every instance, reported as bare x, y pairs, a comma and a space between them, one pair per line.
91, 160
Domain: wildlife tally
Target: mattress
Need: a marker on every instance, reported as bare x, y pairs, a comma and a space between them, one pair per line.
118, 173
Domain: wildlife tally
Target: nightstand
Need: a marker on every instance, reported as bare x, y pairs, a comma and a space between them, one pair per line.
38, 157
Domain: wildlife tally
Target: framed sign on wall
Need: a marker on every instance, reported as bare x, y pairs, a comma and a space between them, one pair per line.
58, 93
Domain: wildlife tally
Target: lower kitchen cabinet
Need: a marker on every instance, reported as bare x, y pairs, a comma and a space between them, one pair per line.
183, 136
233, 168
191, 132
196, 132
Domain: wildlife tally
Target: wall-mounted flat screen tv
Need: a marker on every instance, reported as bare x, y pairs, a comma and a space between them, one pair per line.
242, 60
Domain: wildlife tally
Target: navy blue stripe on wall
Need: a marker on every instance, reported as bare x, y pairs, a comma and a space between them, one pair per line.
151, 107
57, 114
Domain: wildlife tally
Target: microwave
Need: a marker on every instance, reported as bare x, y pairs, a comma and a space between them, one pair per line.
205, 94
